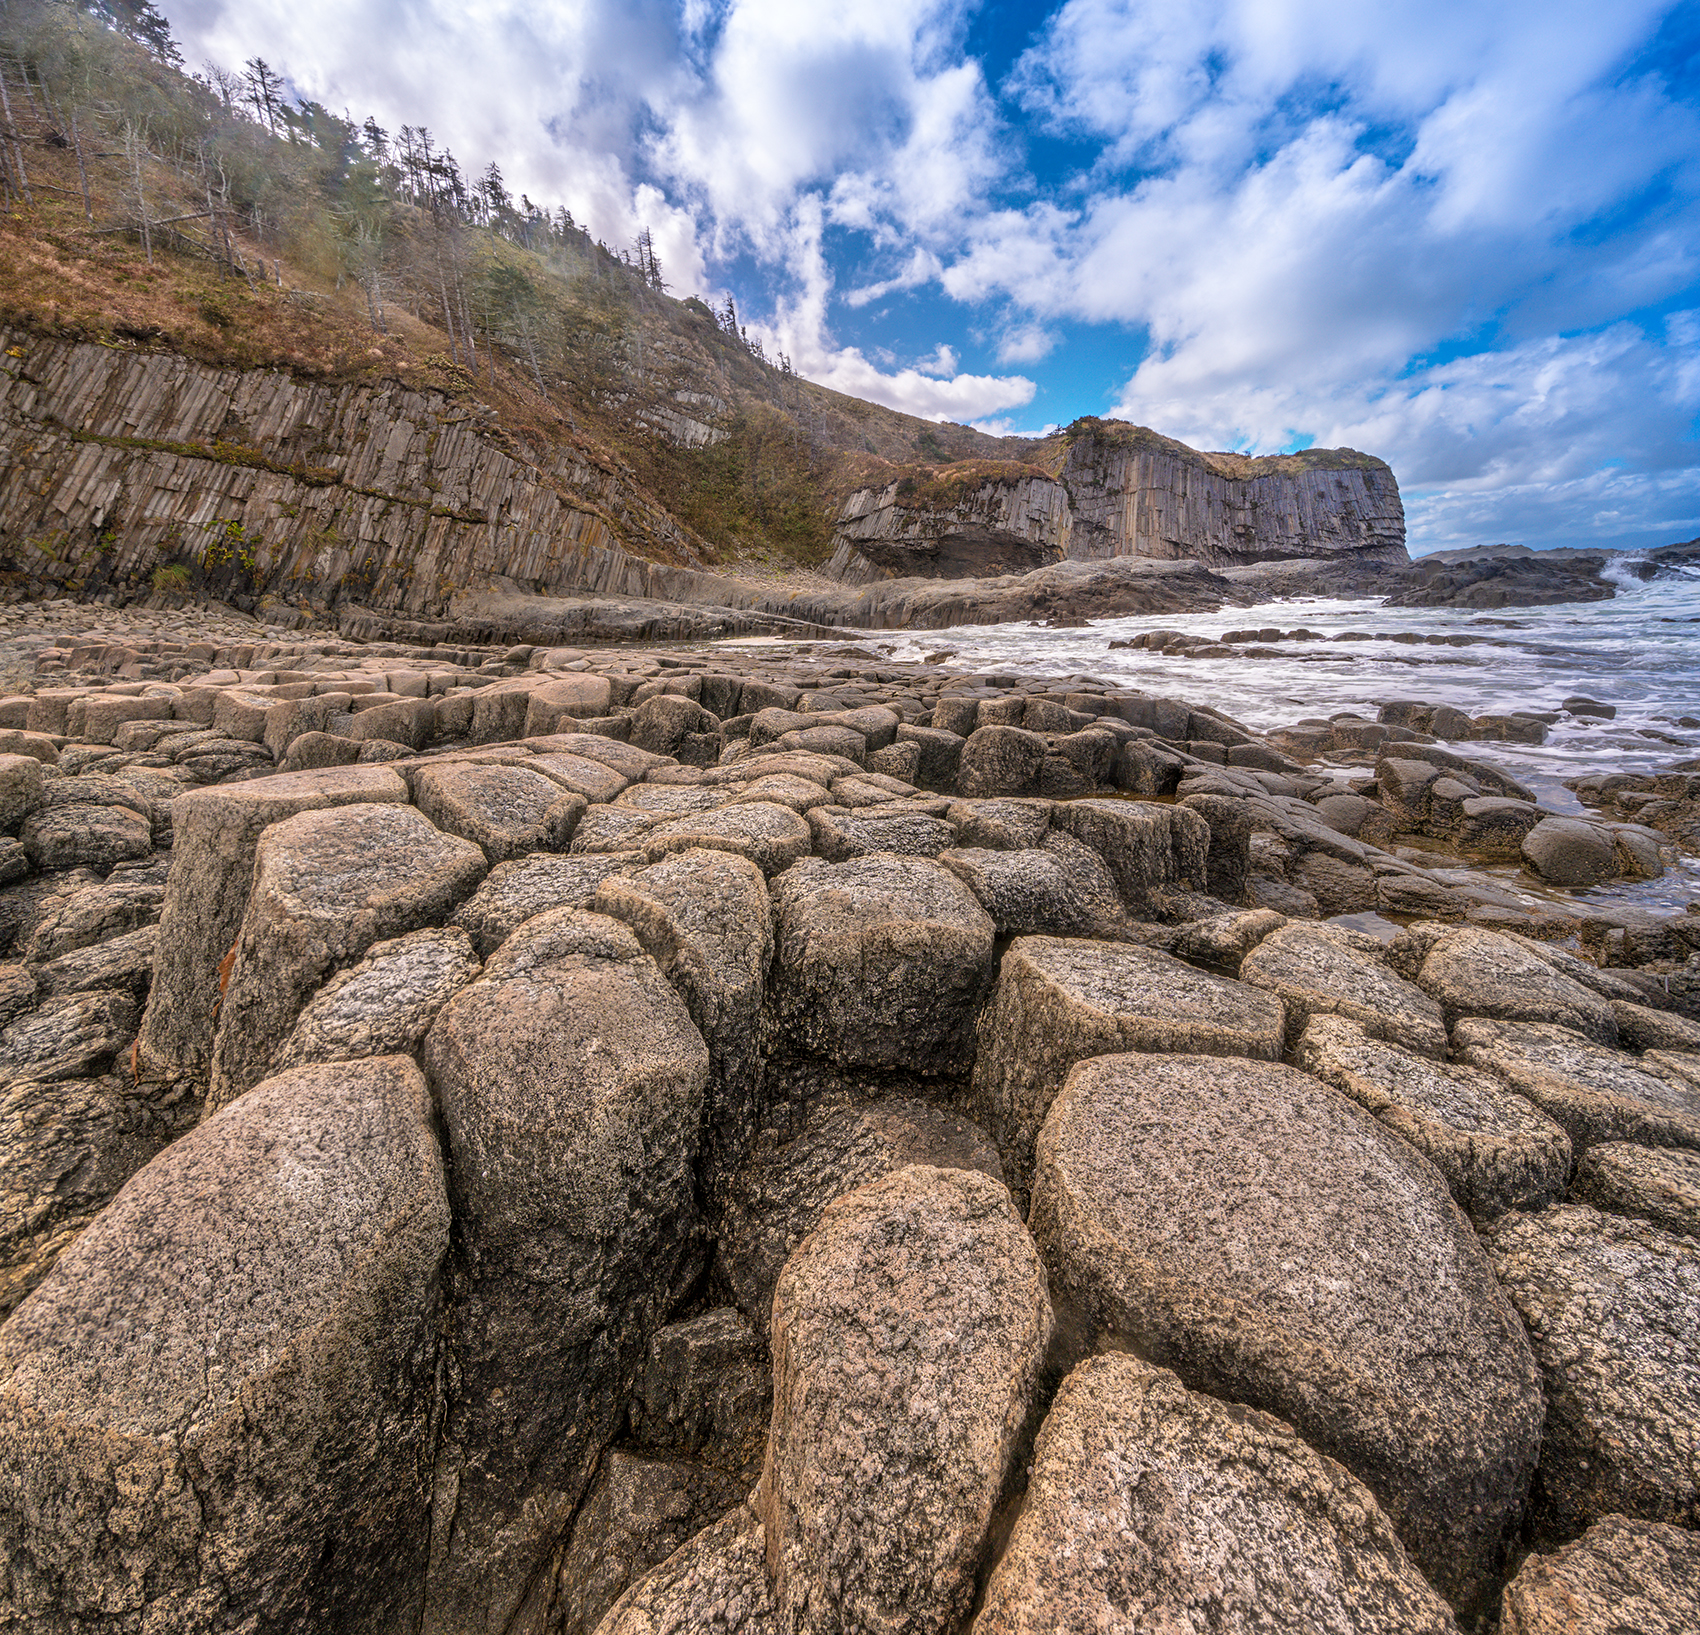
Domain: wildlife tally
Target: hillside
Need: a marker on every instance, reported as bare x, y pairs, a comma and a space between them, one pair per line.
281, 252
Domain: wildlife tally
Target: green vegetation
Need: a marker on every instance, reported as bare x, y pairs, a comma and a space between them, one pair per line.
171, 579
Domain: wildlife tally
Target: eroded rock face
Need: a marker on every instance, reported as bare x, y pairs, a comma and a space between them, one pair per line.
570, 1080
1620, 1575
880, 962
908, 1332
1495, 1148
1155, 1507
509, 811
704, 918
1613, 1309
219, 1404
215, 834
1059, 1001
514, 892
1267, 1239
716, 1582
327, 885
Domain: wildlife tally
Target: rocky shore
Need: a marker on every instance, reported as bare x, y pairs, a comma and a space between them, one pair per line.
560, 1139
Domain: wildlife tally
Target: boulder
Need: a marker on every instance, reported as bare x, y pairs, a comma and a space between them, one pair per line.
1275, 1245
1496, 1150
1570, 852
718, 1581
1026, 893
327, 885
93, 914
21, 789
1228, 860
638, 1511
1620, 1575
564, 699
1613, 1309
124, 962
219, 1403
1326, 970
881, 962
940, 756
411, 722
1640, 1028
785, 790
1000, 760
1472, 972
663, 722
704, 918
1224, 940
579, 775
775, 1200
385, 1004
1595, 1094
509, 811
66, 1146
772, 837
839, 834
570, 1081
1059, 1001
1660, 1184
628, 760
908, 1334
1494, 829
1148, 848
1152, 1507
512, 893
216, 832
70, 1037
85, 835
999, 825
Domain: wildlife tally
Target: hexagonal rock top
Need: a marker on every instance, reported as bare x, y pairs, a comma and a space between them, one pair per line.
1060, 1000
1322, 970
1613, 1308
1620, 1575
1480, 973
908, 1333
1253, 1229
1497, 1150
327, 885
880, 962
1150, 1503
219, 1403
508, 810
1595, 1093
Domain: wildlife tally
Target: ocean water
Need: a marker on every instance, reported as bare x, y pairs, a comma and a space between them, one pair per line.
1639, 652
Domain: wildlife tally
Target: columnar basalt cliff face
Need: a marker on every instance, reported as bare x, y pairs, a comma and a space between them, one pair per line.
117, 463
1105, 489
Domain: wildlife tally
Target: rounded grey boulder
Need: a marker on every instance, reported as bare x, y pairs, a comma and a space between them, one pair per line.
908, 1333
1152, 1507
1266, 1238
1569, 852
219, 1404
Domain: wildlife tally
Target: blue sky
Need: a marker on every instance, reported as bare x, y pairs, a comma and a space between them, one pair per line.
1463, 237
